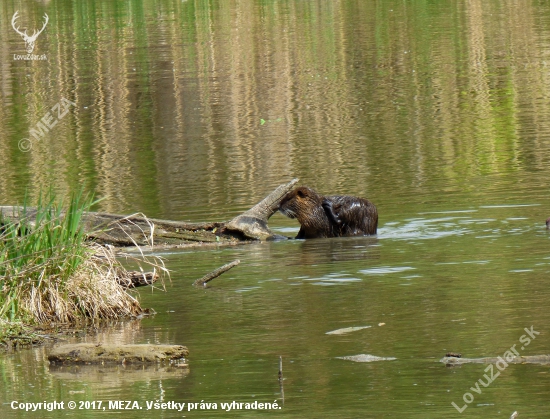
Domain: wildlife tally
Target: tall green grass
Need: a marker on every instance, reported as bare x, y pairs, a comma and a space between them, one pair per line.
49, 272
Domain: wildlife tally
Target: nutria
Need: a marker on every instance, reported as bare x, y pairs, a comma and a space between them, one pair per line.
453, 355
329, 216
548, 223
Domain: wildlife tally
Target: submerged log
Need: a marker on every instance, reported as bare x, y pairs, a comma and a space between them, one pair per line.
137, 229
90, 353
532, 359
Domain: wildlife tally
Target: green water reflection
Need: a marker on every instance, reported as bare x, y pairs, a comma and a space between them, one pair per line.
439, 112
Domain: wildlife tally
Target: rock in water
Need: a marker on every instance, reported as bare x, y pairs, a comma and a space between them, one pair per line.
365, 358
90, 353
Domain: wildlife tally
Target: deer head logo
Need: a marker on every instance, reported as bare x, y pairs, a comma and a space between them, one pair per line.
29, 40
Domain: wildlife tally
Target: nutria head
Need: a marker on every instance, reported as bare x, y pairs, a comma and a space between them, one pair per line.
305, 205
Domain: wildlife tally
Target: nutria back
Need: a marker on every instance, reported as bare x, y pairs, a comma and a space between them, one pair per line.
329, 216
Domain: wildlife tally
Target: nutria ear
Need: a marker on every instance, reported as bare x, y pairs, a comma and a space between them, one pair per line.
300, 193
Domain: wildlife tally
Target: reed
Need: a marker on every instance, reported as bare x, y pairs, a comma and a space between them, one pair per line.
49, 272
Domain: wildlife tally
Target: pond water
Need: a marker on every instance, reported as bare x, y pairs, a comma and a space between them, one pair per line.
438, 112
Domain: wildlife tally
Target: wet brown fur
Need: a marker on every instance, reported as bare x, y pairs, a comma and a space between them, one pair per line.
329, 216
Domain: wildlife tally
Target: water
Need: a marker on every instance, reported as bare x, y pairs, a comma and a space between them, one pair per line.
195, 110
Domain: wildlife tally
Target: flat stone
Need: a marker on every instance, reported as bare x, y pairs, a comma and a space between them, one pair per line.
90, 353
365, 358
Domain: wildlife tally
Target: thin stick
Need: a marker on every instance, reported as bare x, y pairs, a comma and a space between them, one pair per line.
281, 387
216, 273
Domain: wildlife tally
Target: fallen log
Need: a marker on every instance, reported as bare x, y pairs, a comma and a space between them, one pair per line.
90, 353
139, 230
252, 224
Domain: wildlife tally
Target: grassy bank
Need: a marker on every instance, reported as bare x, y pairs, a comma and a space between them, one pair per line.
50, 273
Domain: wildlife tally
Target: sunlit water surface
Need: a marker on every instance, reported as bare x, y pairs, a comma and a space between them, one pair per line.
437, 112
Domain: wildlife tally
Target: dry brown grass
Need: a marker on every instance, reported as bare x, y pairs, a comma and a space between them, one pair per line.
91, 292
49, 272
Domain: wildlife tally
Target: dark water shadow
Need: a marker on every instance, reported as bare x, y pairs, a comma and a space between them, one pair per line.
338, 249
